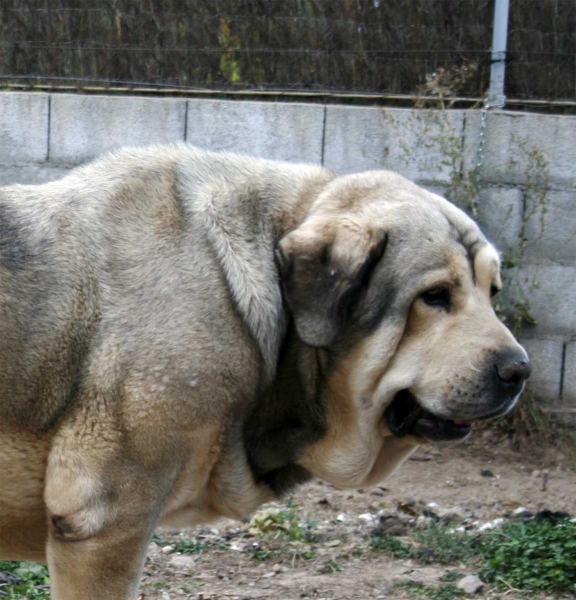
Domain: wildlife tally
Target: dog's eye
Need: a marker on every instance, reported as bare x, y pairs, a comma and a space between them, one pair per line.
437, 296
493, 291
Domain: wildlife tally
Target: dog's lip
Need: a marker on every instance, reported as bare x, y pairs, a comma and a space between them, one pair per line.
405, 415
502, 410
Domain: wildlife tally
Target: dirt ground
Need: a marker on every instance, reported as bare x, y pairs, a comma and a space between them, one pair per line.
478, 480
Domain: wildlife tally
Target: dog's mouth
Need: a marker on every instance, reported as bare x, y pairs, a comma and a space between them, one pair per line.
406, 416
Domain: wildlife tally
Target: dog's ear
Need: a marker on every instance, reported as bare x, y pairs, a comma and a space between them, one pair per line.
323, 267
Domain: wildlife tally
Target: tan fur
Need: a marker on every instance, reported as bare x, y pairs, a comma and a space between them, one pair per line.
188, 334
22, 465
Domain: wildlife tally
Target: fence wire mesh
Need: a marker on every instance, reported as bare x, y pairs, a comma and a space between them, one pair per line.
415, 47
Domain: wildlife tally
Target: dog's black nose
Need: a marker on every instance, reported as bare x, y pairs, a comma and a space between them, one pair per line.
513, 368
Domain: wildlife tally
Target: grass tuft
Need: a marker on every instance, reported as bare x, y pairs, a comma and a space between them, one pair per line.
538, 556
442, 592
24, 580
197, 546
532, 557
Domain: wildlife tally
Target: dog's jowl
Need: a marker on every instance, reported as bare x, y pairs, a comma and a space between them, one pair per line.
185, 335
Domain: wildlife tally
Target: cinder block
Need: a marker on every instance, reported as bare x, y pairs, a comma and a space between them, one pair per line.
23, 127
546, 359
550, 292
273, 130
569, 380
423, 145
528, 148
30, 174
500, 216
82, 127
551, 228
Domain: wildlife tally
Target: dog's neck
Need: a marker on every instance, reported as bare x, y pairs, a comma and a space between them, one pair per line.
289, 414
287, 417
290, 205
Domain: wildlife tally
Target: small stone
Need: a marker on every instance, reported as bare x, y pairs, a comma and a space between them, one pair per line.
333, 543
167, 549
408, 508
392, 525
491, 524
183, 562
366, 517
423, 522
165, 596
456, 514
238, 547
470, 584
153, 549
269, 574
341, 518
536, 473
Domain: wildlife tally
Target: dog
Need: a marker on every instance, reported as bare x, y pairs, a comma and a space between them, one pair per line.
185, 335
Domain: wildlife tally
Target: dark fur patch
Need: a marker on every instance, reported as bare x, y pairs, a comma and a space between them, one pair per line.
322, 291
59, 526
283, 480
15, 252
287, 418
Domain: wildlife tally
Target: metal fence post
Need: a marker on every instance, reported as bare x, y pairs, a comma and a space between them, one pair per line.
496, 97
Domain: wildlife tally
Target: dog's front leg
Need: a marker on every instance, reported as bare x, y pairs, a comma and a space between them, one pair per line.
97, 551
102, 511
99, 536
107, 566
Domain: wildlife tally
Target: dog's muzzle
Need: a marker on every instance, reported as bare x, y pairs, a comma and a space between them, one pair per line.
503, 382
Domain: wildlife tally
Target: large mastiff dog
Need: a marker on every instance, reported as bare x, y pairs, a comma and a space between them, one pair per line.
185, 335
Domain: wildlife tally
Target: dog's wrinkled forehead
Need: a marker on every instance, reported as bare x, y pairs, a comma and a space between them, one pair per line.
411, 216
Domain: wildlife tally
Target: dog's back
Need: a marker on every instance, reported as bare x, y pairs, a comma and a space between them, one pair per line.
125, 236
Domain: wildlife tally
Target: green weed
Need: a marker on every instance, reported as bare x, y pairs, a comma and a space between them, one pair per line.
284, 522
534, 556
197, 546
264, 555
442, 592
391, 545
439, 543
294, 551
329, 567
24, 580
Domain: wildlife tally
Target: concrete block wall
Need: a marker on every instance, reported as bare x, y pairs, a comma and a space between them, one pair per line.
528, 170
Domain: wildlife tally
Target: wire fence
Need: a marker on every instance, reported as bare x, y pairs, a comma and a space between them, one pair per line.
412, 47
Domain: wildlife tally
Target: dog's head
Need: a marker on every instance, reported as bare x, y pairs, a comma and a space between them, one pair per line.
393, 284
